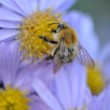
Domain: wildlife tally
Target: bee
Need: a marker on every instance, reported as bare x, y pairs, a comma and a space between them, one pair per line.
67, 48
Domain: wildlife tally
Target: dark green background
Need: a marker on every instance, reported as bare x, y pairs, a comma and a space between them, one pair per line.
100, 12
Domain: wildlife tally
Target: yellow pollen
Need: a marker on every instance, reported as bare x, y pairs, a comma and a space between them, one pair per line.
13, 99
34, 26
95, 81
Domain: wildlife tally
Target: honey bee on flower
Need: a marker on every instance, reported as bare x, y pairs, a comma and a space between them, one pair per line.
67, 47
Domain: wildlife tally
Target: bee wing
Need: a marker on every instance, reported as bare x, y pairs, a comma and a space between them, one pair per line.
57, 67
84, 58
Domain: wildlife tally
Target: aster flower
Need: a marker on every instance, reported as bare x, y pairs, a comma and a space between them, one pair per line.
15, 83
28, 23
29, 20
67, 91
9, 61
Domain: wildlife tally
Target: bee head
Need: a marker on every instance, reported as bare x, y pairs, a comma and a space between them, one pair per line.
62, 26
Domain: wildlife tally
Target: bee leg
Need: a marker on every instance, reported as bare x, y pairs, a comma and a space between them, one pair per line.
47, 40
49, 57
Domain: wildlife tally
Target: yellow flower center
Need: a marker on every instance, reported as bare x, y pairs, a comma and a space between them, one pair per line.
13, 99
95, 81
34, 26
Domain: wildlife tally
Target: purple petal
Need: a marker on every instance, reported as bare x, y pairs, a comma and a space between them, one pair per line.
23, 83
9, 15
62, 89
43, 4
9, 25
61, 5
106, 71
14, 59
64, 5
24, 5
45, 94
101, 102
22, 80
87, 96
9, 59
77, 79
107, 98
82, 89
12, 6
7, 34
34, 5
5, 71
105, 54
96, 105
37, 103
42, 70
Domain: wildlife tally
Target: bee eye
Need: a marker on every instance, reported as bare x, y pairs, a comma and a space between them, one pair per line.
62, 26
59, 26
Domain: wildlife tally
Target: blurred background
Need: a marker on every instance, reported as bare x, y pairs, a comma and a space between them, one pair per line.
100, 12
